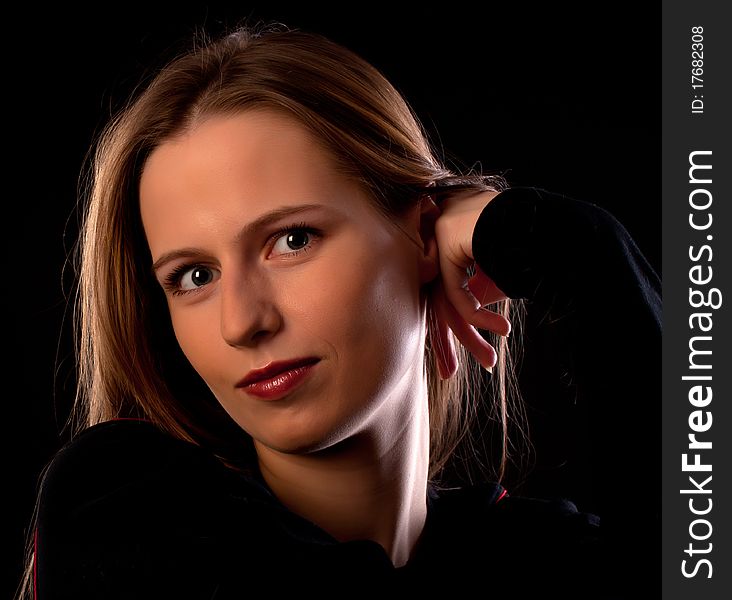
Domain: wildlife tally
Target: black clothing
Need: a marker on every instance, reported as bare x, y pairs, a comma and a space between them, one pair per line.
595, 306
129, 512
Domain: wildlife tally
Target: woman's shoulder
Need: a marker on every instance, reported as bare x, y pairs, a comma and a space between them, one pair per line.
121, 449
124, 507
531, 511
132, 466
511, 529
122, 442
492, 504
486, 527
119, 441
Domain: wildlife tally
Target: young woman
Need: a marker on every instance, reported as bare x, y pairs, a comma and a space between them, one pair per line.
280, 295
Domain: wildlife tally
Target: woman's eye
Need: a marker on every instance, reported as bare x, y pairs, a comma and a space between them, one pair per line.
195, 277
294, 240
289, 242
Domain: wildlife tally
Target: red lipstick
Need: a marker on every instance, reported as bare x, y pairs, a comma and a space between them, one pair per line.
277, 379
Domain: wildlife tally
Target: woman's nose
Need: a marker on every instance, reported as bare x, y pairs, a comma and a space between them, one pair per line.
248, 311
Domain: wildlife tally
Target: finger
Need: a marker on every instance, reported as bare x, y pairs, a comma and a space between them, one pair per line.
484, 288
466, 333
443, 344
456, 288
486, 291
490, 321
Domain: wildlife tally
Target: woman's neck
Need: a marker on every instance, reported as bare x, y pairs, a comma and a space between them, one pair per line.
373, 485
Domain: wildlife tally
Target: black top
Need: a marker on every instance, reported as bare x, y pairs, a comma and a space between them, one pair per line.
128, 512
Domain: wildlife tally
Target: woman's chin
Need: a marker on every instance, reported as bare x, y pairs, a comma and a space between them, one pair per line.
289, 438
300, 438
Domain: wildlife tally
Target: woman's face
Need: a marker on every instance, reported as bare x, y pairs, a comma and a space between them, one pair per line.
342, 286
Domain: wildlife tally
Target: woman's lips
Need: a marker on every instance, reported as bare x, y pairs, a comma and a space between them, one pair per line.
281, 384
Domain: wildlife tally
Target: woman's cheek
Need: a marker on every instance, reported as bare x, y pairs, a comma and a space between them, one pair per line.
199, 336
328, 304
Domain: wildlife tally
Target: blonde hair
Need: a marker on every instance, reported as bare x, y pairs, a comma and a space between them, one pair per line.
126, 347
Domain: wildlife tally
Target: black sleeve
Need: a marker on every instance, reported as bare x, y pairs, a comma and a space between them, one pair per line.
558, 252
593, 355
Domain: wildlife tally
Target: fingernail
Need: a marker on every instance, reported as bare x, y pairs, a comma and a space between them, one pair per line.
488, 370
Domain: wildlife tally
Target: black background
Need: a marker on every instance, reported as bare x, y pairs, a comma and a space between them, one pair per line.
544, 94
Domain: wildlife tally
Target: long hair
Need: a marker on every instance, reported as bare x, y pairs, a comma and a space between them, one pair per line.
126, 347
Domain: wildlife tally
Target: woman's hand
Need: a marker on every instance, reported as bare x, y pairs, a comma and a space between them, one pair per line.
458, 299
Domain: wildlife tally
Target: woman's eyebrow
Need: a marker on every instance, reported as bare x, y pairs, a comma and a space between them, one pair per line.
274, 215
250, 228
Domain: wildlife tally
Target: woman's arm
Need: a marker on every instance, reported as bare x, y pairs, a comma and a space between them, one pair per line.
594, 307
560, 252
590, 290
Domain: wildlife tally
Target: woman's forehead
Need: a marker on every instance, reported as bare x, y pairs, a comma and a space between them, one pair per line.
255, 138
257, 153
231, 171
